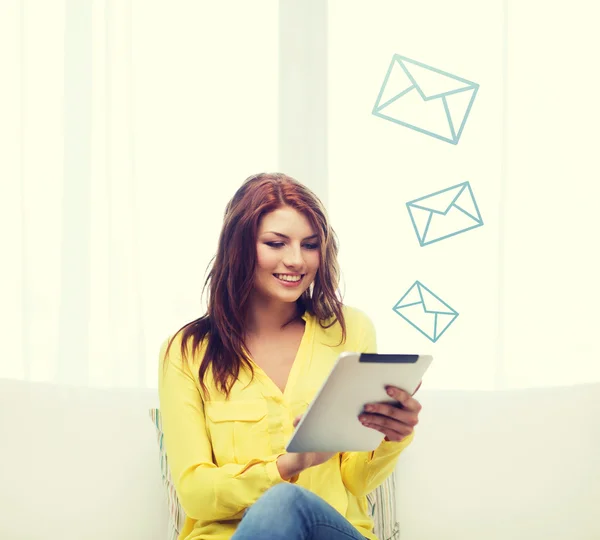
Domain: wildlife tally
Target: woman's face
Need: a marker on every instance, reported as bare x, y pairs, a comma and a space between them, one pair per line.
288, 255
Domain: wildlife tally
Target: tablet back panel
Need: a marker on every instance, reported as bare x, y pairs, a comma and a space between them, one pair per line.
331, 423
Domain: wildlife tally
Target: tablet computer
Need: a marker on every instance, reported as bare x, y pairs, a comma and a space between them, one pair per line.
331, 424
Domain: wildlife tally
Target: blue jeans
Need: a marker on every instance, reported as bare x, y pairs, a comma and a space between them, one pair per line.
290, 512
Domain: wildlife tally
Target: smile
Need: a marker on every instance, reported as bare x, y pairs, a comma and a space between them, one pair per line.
289, 279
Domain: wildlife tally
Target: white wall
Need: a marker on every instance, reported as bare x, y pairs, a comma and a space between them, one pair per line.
181, 103
524, 283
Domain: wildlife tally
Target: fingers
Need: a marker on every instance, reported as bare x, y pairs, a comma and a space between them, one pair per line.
394, 431
404, 425
394, 422
407, 401
406, 416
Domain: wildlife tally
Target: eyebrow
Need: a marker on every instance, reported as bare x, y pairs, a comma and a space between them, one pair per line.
287, 237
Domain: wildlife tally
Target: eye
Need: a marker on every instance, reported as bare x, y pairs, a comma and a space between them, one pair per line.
274, 245
311, 246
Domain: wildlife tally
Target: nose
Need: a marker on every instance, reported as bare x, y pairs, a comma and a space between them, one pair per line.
293, 257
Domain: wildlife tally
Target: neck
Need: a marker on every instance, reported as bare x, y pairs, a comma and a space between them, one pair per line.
267, 316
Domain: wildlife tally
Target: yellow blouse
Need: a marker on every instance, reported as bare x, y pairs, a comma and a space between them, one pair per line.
222, 453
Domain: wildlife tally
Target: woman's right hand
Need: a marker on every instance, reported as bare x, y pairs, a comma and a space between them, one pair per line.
291, 464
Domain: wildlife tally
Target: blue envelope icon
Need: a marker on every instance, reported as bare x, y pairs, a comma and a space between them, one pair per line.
425, 99
425, 311
445, 213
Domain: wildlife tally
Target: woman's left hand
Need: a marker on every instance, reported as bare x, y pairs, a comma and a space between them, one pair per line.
396, 422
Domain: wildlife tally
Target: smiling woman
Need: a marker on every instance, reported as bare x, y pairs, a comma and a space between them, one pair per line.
292, 258
233, 382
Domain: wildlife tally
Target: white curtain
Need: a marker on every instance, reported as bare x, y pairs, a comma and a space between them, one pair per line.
126, 126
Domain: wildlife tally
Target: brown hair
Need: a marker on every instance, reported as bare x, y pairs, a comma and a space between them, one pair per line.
231, 277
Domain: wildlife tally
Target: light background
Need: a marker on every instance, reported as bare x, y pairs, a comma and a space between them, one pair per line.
525, 284
128, 125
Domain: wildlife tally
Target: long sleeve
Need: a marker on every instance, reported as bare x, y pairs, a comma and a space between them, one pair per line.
206, 492
362, 472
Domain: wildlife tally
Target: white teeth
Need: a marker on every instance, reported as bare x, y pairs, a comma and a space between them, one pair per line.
283, 277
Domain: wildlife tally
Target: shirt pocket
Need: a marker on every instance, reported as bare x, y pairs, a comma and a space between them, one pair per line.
239, 430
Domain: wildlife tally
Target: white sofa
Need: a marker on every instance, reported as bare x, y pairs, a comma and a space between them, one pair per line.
83, 464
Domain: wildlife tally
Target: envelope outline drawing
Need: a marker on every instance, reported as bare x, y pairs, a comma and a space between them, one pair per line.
437, 205
425, 294
407, 66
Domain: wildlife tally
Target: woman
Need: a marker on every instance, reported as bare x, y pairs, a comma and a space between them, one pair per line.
234, 382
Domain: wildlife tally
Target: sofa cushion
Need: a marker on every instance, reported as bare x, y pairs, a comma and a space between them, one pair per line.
78, 463
518, 464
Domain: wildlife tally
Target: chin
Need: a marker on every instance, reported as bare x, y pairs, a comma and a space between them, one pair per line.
288, 298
